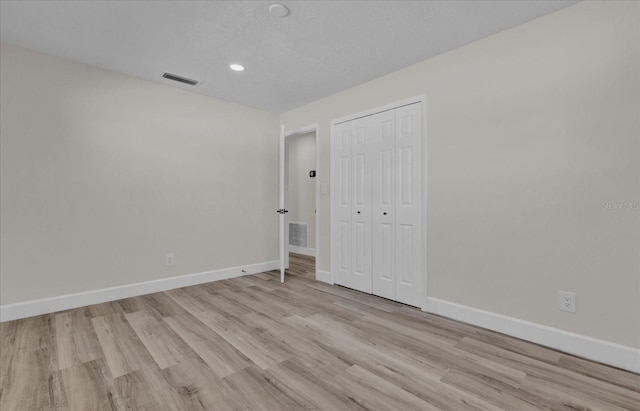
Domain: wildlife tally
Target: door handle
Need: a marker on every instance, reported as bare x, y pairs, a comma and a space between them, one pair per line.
282, 211
358, 212
385, 213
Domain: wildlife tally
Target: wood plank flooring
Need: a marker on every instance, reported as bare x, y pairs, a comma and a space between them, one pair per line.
252, 343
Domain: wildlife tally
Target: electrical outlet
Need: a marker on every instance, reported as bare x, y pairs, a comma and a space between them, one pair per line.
567, 301
169, 259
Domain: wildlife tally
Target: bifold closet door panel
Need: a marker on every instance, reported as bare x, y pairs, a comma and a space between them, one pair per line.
408, 224
341, 255
361, 162
383, 135
377, 233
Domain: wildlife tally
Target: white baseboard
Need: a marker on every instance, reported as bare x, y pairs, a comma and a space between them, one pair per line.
606, 352
324, 276
302, 250
25, 309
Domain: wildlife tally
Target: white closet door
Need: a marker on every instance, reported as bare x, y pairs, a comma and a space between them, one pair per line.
341, 250
361, 160
409, 239
377, 232
383, 135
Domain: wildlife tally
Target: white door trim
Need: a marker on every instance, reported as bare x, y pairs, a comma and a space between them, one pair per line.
282, 237
422, 99
392, 106
312, 128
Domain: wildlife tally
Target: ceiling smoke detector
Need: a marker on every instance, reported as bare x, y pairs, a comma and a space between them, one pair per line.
278, 10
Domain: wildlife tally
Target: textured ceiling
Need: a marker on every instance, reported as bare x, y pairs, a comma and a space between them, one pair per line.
321, 48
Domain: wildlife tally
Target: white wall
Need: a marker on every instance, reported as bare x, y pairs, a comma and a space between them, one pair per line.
529, 132
533, 141
302, 188
102, 174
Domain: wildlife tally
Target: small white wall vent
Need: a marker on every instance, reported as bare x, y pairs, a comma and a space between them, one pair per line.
180, 79
298, 234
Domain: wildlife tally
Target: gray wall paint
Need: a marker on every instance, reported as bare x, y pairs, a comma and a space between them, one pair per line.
302, 194
102, 174
529, 132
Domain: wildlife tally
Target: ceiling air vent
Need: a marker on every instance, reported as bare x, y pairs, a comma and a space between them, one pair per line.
180, 79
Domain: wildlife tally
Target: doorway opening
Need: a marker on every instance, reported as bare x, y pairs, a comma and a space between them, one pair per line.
299, 170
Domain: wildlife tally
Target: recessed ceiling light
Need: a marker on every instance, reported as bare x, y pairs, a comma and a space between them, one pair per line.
236, 67
278, 10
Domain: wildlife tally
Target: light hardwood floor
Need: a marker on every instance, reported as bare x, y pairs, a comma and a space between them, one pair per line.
251, 343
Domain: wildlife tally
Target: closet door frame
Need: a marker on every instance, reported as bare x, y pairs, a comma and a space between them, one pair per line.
422, 100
